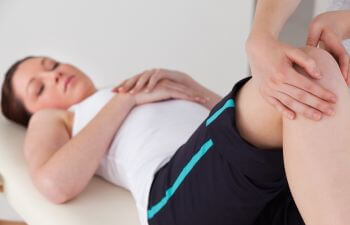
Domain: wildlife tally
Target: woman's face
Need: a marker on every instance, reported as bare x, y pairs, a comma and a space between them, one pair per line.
41, 82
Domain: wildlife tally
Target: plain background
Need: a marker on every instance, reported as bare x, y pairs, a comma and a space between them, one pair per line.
113, 40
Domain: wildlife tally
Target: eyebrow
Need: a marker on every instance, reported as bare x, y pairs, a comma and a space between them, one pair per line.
31, 80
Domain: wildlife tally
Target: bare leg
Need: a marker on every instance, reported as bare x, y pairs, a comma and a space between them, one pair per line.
317, 154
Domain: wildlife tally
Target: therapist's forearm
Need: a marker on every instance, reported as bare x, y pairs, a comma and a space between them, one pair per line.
271, 15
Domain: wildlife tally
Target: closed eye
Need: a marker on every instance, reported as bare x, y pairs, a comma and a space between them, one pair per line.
49, 64
55, 66
41, 90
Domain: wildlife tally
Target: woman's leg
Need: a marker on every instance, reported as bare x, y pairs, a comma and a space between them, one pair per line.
317, 153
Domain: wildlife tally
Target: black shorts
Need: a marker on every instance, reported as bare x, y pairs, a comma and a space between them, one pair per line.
218, 178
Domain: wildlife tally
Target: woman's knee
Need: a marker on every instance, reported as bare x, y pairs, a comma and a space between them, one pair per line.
332, 78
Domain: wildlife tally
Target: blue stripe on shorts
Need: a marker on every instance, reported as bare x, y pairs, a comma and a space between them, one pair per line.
228, 103
185, 171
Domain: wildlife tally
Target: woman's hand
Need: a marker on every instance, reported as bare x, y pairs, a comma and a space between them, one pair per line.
280, 84
164, 90
150, 78
331, 28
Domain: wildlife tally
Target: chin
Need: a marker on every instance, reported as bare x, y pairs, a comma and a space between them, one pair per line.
83, 91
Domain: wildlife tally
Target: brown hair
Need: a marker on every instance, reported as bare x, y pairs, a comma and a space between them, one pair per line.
12, 108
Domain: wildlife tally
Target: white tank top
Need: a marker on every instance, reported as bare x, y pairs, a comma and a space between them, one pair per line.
146, 140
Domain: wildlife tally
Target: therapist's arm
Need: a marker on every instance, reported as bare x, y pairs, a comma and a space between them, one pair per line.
271, 15
272, 62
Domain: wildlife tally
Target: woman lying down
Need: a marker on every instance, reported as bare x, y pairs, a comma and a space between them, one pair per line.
187, 156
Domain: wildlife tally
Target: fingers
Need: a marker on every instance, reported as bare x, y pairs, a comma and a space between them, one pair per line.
344, 66
348, 81
295, 93
143, 79
190, 93
304, 60
154, 80
298, 107
126, 85
336, 48
314, 34
280, 107
137, 81
308, 101
297, 80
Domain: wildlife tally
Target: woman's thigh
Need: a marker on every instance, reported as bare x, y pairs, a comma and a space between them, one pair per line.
217, 177
317, 153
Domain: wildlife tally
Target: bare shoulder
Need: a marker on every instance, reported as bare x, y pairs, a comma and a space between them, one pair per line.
48, 130
53, 115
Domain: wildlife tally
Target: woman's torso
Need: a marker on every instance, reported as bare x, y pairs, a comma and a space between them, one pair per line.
146, 140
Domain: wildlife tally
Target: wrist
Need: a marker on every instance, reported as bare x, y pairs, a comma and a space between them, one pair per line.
211, 98
264, 29
258, 39
127, 99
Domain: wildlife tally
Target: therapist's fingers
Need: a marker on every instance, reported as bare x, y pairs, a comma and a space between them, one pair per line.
280, 107
302, 82
334, 45
304, 60
298, 107
344, 66
307, 100
315, 31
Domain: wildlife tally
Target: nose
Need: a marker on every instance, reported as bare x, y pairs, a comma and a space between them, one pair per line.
58, 76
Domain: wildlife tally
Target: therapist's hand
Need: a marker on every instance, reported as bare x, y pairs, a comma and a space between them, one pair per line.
331, 28
280, 84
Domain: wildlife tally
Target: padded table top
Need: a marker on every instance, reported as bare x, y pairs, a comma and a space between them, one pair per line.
100, 203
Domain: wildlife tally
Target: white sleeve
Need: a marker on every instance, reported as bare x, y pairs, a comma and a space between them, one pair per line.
339, 4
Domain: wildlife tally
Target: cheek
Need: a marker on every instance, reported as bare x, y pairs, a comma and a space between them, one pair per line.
53, 100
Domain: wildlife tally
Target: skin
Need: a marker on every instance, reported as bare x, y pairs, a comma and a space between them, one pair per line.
329, 29
314, 154
61, 180
47, 90
272, 62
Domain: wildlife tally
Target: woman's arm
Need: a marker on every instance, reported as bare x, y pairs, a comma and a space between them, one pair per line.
150, 78
61, 167
211, 98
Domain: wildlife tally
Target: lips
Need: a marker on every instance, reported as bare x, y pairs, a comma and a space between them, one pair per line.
67, 81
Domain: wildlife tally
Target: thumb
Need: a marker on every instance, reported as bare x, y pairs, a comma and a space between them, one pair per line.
313, 36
